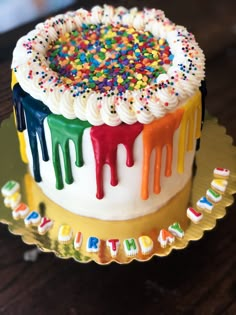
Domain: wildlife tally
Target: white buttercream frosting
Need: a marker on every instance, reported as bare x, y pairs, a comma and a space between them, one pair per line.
181, 80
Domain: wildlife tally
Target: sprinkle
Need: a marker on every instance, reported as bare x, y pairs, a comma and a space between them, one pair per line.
118, 57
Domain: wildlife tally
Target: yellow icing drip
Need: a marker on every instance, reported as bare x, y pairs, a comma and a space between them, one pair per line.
191, 120
13, 79
20, 134
22, 144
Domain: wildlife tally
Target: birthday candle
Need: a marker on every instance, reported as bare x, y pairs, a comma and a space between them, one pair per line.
65, 233
45, 225
113, 245
12, 201
130, 246
78, 240
219, 184
204, 204
10, 188
20, 211
176, 230
32, 219
93, 244
165, 238
221, 172
213, 195
146, 244
194, 215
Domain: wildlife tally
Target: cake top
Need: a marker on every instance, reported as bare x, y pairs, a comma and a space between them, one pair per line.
109, 65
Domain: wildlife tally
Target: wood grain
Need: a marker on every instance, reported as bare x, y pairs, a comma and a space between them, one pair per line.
198, 280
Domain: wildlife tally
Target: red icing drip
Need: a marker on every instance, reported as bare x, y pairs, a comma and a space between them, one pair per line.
105, 140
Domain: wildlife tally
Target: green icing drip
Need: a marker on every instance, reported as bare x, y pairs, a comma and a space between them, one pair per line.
63, 130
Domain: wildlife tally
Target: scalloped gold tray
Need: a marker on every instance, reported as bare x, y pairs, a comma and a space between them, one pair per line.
216, 151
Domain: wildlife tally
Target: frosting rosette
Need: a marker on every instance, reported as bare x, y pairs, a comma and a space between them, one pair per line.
109, 65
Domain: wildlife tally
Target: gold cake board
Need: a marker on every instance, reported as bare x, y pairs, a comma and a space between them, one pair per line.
216, 151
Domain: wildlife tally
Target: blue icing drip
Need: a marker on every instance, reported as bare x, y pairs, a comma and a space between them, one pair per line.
35, 113
18, 95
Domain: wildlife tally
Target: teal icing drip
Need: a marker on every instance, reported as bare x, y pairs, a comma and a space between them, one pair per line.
63, 130
35, 113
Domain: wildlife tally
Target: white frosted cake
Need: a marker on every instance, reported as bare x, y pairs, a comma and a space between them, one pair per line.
109, 109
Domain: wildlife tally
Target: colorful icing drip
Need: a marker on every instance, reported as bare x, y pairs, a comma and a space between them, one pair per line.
72, 130
14, 80
105, 140
35, 113
18, 96
187, 133
108, 57
157, 135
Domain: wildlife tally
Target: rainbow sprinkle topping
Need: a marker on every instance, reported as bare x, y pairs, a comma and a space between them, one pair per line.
104, 58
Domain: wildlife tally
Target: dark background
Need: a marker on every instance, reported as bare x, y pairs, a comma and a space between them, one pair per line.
198, 280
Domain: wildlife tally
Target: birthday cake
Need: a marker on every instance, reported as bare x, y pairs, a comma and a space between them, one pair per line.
109, 106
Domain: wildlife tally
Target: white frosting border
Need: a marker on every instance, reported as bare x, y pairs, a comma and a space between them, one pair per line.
168, 92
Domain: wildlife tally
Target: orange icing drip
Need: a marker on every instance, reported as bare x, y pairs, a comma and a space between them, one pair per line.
157, 135
187, 134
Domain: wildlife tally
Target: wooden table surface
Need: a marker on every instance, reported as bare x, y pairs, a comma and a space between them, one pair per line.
198, 280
